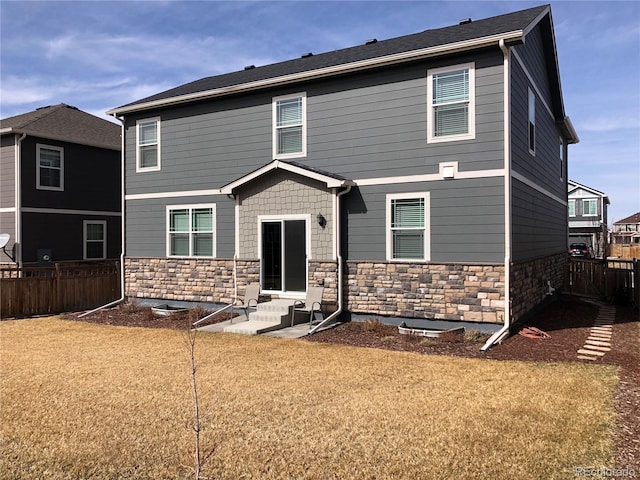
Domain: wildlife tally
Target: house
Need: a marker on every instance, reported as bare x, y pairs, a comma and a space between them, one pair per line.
588, 217
416, 178
60, 194
625, 237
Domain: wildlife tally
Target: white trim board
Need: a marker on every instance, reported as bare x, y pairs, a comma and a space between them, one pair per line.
66, 211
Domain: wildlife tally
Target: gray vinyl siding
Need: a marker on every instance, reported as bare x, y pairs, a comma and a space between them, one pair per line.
7, 171
467, 220
64, 235
539, 221
91, 178
146, 229
360, 126
539, 225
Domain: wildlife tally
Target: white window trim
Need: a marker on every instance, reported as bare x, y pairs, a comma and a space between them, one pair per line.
214, 222
586, 200
431, 138
427, 226
40, 146
531, 93
85, 223
569, 203
562, 155
140, 169
274, 108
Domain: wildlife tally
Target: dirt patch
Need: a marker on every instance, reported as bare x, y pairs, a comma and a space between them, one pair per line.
567, 321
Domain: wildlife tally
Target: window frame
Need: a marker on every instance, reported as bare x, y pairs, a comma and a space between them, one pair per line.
191, 207
139, 167
39, 186
471, 112
531, 121
426, 196
569, 204
274, 102
85, 240
562, 154
586, 201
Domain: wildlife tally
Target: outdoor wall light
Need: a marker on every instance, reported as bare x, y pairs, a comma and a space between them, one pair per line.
321, 220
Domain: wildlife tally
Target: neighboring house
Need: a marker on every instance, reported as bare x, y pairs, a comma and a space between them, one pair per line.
415, 178
588, 217
60, 186
627, 231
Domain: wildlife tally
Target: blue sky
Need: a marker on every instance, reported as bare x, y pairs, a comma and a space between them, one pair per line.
98, 55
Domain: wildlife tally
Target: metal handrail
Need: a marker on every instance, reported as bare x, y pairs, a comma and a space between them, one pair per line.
211, 315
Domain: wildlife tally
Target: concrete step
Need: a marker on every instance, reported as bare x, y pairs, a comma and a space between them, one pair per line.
253, 327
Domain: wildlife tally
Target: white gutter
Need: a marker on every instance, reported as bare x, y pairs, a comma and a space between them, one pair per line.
17, 251
504, 331
336, 217
122, 227
513, 36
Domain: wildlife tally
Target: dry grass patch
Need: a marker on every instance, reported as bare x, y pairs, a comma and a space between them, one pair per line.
88, 401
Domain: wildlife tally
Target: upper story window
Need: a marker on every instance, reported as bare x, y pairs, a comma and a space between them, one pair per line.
148, 145
290, 126
590, 207
190, 231
572, 208
408, 226
532, 122
561, 140
95, 239
451, 98
49, 167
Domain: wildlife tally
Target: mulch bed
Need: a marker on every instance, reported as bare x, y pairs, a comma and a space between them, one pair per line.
567, 321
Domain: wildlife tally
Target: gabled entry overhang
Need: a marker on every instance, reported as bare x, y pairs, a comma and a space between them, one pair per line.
331, 181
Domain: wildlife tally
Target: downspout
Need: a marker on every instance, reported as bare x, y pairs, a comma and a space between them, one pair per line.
504, 331
122, 227
336, 216
17, 251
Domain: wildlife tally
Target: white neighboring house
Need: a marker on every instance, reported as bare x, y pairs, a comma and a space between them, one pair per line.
588, 217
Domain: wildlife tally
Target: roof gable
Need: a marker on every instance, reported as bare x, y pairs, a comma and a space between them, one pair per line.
329, 179
512, 26
65, 123
575, 187
635, 218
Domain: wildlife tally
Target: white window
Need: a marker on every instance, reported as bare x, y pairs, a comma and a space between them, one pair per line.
95, 240
590, 207
408, 226
190, 230
148, 145
290, 126
572, 208
49, 167
451, 99
561, 140
532, 122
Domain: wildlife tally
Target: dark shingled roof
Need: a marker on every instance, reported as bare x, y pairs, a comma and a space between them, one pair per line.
429, 38
66, 123
635, 218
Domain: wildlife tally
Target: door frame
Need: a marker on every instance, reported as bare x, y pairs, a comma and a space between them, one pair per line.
307, 226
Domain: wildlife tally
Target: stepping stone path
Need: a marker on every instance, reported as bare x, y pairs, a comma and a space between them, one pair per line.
599, 341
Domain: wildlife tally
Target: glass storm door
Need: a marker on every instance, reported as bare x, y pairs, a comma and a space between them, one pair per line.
284, 255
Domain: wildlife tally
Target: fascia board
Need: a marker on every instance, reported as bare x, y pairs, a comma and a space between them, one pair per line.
513, 36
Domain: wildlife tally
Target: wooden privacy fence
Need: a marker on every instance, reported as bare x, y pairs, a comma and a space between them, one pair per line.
26, 291
628, 251
614, 280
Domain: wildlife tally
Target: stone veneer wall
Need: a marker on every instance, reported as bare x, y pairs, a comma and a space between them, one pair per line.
187, 279
529, 282
443, 291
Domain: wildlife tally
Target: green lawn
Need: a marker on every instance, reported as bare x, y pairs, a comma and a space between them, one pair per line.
85, 401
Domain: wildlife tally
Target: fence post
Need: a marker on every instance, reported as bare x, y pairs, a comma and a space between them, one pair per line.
57, 288
636, 282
